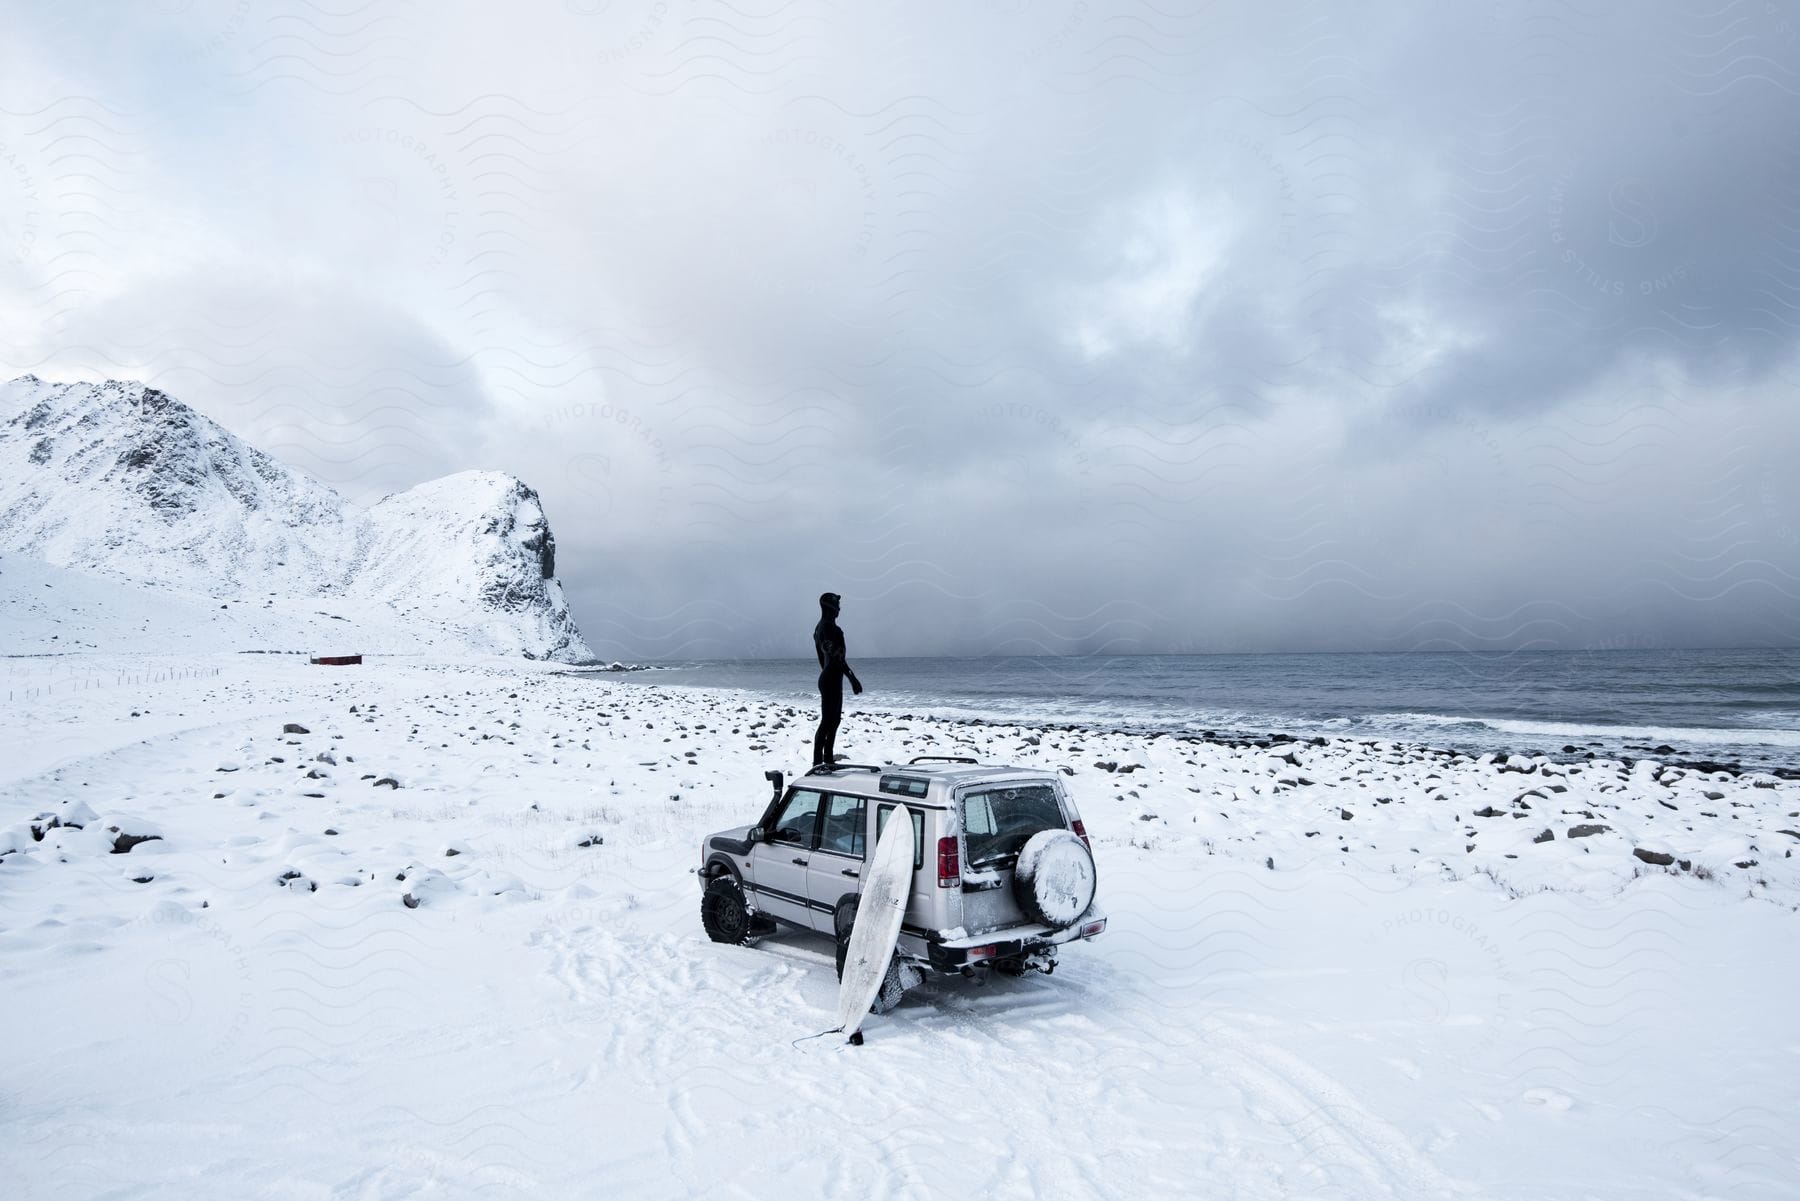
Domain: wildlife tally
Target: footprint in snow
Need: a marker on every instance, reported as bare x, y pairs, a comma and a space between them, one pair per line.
1549, 1099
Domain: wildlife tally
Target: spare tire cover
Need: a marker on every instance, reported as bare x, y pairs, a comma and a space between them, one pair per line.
1054, 878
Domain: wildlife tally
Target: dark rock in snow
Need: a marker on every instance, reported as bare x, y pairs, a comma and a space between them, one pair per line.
1657, 858
294, 727
1588, 831
1546, 836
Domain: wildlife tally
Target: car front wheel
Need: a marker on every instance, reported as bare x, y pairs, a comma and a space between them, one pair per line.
724, 912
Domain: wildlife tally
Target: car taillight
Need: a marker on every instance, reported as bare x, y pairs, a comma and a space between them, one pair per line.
979, 953
1081, 833
949, 864
1093, 928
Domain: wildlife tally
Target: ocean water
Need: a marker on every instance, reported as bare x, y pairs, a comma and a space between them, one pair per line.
1732, 705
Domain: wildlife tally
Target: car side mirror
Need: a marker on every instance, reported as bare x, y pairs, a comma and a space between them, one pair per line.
756, 834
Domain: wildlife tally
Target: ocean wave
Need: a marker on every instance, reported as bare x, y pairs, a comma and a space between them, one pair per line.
1345, 697
1434, 720
1574, 731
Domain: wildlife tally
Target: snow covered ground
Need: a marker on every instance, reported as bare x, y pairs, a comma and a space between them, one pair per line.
442, 939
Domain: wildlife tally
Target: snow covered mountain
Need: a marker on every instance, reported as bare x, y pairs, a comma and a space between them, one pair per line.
120, 480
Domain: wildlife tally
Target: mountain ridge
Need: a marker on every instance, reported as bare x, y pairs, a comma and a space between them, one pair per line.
120, 479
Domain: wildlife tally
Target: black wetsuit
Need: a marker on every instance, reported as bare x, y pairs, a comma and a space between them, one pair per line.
828, 641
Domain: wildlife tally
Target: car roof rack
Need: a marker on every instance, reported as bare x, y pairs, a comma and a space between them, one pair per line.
831, 769
944, 759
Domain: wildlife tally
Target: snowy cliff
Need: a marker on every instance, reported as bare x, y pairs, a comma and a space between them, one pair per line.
124, 482
474, 544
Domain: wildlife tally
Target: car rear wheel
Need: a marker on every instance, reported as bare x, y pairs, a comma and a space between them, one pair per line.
893, 987
724, 912
899, 977
841, 923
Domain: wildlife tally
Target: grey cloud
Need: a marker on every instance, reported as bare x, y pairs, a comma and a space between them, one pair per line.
1054, 327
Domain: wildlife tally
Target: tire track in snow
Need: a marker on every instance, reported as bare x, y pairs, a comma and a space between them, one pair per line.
1061, 1060
1327, 1120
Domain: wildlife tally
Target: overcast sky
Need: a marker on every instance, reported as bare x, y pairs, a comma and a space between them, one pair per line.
1027, 327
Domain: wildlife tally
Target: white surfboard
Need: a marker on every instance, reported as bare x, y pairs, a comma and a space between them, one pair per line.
887, 881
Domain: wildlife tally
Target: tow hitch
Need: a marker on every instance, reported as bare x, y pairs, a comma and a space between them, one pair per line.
1018, 965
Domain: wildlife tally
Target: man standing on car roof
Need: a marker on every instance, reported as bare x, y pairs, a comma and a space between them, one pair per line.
828, 641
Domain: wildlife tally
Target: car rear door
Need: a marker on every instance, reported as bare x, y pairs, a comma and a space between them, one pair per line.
997, 819
835, 868
921, 904
775, 869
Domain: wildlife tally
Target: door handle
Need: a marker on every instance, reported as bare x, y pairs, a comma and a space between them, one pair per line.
801, 862
852, 874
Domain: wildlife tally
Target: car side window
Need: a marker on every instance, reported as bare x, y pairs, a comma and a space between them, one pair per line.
918, 822
798, 818
843, 830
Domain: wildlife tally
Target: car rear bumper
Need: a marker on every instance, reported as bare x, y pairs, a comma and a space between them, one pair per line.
1013, 942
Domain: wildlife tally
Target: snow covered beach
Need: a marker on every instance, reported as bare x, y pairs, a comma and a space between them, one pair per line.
441, 937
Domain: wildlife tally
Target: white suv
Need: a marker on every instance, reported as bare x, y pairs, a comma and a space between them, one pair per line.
1002, 871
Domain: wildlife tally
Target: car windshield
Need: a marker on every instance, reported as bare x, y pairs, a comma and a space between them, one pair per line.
998, 821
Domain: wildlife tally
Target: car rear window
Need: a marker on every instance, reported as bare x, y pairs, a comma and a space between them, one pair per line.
918, 824
998, 821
